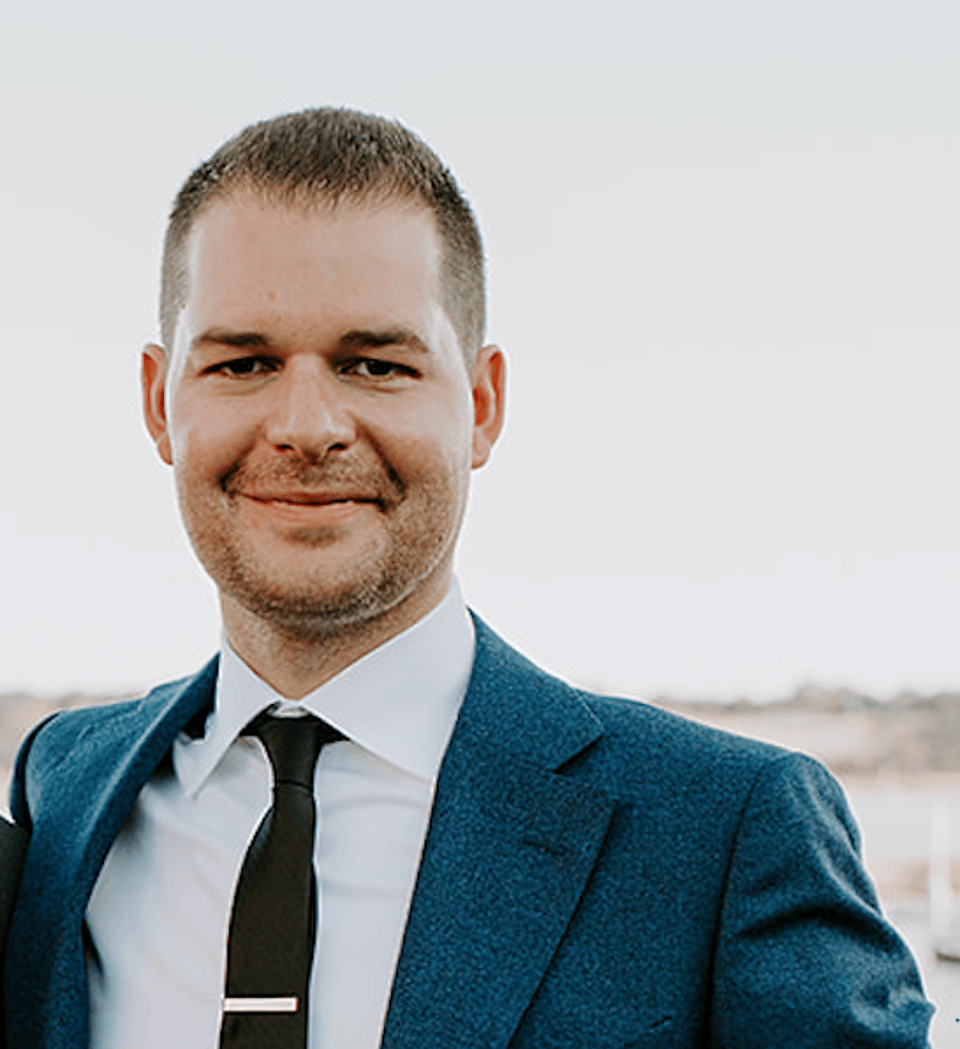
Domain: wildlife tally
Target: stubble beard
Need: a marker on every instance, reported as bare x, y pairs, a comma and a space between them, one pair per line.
330, 601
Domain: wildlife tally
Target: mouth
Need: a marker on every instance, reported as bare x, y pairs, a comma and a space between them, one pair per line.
309, 510
307, 499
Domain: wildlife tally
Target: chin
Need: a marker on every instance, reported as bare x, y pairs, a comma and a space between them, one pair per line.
321, 606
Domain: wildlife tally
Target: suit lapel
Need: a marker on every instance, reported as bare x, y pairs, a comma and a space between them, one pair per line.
510, 846
102, 764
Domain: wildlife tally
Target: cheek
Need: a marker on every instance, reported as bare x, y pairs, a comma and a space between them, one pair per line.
206, 440
441, 452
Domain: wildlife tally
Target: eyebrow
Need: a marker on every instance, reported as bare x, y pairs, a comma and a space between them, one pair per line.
361, 339
364, 340
241, 340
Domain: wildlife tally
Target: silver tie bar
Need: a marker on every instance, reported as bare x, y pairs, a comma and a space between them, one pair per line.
275, 1004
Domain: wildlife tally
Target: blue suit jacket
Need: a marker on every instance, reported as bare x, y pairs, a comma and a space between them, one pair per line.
597, 874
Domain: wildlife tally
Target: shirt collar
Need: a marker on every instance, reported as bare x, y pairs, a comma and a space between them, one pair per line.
399, 701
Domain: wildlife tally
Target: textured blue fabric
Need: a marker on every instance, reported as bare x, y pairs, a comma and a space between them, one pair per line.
598, 874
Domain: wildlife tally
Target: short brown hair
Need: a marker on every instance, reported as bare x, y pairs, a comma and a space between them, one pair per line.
332, 155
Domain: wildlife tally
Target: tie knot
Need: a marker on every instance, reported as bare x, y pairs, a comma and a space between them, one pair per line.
293, 745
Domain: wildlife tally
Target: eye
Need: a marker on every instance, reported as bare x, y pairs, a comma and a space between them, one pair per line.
378, 368
243, 366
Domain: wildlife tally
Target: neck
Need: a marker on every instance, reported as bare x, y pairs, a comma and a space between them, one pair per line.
296, 662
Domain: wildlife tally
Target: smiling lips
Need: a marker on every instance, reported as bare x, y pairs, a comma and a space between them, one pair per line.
306, 498
305, 507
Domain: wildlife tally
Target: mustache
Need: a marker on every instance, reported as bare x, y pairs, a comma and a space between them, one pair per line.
375, 481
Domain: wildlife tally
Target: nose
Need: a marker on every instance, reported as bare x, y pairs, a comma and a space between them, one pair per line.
307, 412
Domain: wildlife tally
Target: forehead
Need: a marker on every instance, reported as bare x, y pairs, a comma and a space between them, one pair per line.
247, 252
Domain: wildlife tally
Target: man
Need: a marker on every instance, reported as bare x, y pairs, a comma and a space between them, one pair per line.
500, 860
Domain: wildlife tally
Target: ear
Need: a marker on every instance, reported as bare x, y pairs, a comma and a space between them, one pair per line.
489, 402
153, 380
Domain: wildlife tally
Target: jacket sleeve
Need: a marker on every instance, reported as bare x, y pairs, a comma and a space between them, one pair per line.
19, 806
804, 957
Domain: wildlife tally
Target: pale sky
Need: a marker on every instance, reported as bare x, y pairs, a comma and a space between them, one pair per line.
724, 260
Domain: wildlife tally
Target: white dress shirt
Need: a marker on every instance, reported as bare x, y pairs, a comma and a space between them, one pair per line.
160, 911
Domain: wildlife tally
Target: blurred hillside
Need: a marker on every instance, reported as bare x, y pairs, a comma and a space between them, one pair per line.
853, 734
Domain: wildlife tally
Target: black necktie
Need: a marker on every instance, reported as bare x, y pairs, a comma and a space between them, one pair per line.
274, 921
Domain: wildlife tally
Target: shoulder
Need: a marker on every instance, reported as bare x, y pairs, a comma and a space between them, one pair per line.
73, 748
82, 728
682, 772
679, 748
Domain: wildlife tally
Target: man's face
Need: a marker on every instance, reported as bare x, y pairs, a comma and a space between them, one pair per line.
318, 412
